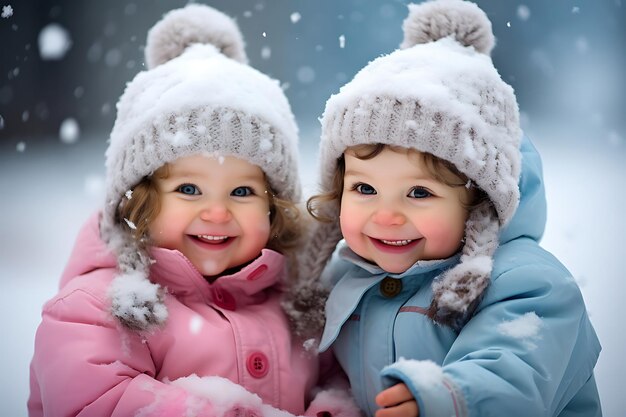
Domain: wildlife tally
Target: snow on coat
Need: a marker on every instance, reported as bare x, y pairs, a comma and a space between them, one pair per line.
217, 336
530, 350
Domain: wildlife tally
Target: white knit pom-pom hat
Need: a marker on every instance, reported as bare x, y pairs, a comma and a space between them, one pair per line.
198, 96
439, 94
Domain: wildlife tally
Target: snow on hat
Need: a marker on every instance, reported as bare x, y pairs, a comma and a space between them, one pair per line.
198, 96
439, 94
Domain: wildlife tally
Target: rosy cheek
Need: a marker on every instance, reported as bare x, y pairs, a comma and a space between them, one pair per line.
263, 233
347, 225
442, 237
165, 231
351, 229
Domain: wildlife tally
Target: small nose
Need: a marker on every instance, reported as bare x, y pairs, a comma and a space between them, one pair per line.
388, 217
215, 213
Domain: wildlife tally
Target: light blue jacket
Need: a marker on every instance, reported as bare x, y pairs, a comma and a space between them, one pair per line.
529, 351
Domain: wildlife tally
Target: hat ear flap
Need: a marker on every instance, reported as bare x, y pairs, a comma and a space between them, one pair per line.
459, 290
136, 302
306, 299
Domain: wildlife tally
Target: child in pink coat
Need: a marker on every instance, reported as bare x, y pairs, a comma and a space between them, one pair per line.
170, 304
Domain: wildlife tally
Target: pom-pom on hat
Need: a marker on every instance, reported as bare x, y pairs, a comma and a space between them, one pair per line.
439, 94
197, 96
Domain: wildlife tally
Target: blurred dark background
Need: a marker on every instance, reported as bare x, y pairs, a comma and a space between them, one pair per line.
565, 59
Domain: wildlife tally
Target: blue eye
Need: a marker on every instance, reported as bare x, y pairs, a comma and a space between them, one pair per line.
419, 192
242, 192
188, 189
364, 189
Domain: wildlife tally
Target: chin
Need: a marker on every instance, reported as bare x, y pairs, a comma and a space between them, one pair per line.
396, 270
212, 271
391, 268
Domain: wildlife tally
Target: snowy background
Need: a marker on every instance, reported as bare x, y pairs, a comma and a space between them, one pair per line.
65, 63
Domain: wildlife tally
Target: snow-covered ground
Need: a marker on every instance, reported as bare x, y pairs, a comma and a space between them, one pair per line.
50, 188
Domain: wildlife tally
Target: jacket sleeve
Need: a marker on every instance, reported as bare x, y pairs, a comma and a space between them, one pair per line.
86, 365
530, 350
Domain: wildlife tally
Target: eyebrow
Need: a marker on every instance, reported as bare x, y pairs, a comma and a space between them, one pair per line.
411, 177
352, 172
174, 175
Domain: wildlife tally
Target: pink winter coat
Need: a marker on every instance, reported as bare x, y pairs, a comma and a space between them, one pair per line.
85, 363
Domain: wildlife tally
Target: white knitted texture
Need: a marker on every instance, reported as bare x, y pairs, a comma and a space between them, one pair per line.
447, 99
433, 20
459, 287
194, 23
195, 100
439, 98
201, 102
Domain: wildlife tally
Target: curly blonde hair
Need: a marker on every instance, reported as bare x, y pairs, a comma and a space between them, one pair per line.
144, 206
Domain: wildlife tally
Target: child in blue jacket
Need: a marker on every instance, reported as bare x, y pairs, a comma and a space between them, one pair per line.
442, 303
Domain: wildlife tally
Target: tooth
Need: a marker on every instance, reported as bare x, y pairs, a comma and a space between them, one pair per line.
397, 242
207, 237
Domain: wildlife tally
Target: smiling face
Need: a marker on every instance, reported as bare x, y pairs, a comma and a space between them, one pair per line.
393, 213
214, 211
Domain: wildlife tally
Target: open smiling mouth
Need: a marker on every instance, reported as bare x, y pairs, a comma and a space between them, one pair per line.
397, 242
215, 241
395, 246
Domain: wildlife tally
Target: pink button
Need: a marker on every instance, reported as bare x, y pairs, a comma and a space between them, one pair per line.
224, 299
257, 364
257, 273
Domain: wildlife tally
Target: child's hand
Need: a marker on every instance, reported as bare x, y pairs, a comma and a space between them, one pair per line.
397, 402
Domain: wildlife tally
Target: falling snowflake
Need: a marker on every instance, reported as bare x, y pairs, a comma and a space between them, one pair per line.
54, 42
523, 12
582, 45
195, 324
342, 41
130, 224
266, 52
305, 74
69, 131
295, 17
93, 185
7, 11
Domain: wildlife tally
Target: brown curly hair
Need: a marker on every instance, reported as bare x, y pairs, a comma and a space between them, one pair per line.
439, 169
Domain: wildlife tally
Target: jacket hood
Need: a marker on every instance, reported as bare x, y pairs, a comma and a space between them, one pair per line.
529, 219
89, 252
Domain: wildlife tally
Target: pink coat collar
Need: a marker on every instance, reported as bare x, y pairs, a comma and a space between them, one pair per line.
175, 272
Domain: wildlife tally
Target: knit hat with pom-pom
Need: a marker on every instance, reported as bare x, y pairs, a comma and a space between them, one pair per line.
438, 94
197, 96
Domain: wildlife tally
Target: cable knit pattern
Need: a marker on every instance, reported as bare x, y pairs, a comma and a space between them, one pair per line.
440, 95
198, 96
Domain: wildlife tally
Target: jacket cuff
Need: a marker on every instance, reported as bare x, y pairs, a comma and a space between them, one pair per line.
436, 394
